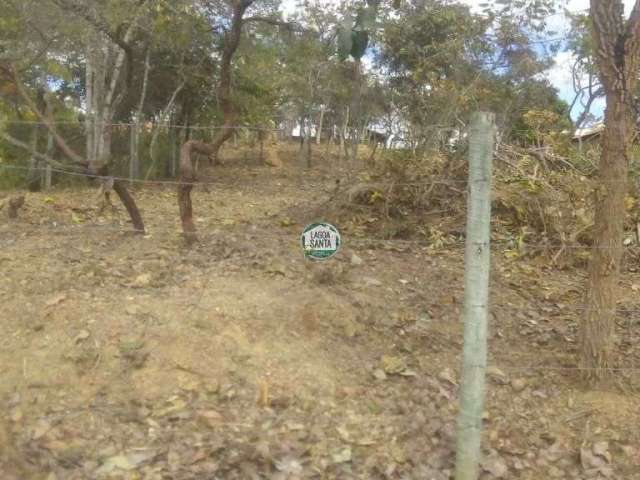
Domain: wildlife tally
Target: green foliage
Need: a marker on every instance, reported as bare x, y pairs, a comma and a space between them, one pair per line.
353, 34
445, 61
345, 38
435, 61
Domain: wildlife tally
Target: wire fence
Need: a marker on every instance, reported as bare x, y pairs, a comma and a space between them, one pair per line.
437, 245
208, 239
150, 151
211, 233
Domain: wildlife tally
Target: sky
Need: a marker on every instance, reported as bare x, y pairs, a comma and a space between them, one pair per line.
560, 73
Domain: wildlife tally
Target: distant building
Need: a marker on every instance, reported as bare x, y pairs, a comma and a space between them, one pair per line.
589, 133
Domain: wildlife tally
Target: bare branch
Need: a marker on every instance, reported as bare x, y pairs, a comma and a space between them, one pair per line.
62, 144
275, 22
633, 25
18, 143
587, 107
95, 18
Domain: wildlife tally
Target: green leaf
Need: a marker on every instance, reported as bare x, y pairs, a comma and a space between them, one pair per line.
366, 19
345, 42
360, 42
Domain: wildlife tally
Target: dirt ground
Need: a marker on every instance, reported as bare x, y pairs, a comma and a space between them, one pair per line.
130, 357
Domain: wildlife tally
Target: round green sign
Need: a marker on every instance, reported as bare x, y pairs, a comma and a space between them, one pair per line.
320, 241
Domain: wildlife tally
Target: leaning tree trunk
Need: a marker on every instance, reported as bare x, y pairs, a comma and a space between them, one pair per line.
76, 158
187, 179
187, 172
617, 47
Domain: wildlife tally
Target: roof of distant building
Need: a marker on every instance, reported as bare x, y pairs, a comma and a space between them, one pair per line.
586, 132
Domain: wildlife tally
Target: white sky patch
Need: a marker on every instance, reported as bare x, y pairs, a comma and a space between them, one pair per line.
560, 73
290, 6
561, 77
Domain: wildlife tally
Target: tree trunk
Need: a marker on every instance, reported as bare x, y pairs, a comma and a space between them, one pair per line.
231, 43
355, 110
305, 142
308, 146
34, 173
164, 114
74, 157
617, 49
329, 141
130, 204
134, 148
134, 165
46, 179
598, 328
320, 122
89, 114
343, 137
187, 179
187, 173
170, 169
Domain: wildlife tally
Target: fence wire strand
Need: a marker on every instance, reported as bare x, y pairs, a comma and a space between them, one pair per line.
505, 244
8, 240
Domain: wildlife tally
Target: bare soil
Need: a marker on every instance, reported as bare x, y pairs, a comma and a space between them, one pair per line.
136, 357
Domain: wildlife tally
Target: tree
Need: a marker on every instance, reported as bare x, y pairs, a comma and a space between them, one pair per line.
617, 47
231, 41
443, 60
230, 44
353, 40
20, 73
108, 74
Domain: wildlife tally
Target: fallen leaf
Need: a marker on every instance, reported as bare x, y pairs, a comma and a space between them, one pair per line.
58, 299
495, 466
125, 462
588, 460
289, 465
41, 428
286, 222
497, 375
379, 374
16, 415
81, 336
344, 433
398, 453
342, 456
142, 280
392, 364
602, 450
447, 376
518, 384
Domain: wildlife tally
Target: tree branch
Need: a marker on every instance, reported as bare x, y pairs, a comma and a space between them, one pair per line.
95, 18
275, 22
632, 37
587, 108
62, 144
18, 143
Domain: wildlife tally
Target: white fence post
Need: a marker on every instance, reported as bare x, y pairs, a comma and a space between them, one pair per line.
476, 296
